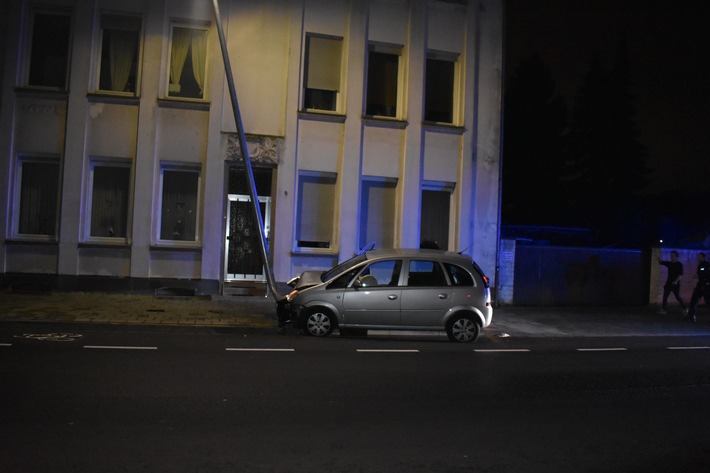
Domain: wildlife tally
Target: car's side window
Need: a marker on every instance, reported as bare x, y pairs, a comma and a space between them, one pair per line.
424, 273
458, 275
386, 273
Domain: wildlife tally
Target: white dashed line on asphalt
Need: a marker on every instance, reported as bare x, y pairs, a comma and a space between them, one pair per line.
502, 350
5, 344
688, 348
383, 350
117, 347
261, 349
601, 349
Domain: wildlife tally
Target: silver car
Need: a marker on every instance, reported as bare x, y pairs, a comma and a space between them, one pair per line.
397, 289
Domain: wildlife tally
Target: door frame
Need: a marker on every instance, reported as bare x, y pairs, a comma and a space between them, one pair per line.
266, 200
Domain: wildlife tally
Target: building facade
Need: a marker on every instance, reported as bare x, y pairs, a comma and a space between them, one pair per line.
367, 122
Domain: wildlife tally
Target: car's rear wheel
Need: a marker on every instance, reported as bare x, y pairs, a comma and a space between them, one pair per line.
318, 322
463, 329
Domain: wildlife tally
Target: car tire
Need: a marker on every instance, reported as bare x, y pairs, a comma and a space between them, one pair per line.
318, 322
463, 329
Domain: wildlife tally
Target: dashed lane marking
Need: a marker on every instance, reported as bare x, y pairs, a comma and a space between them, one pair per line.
261, 349
502, 350
688, 348
117, 347
383, 350
5, 344
602, 349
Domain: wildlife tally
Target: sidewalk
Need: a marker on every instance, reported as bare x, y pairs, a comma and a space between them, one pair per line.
260, 312
128, 309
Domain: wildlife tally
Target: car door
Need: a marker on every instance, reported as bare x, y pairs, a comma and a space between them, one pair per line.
426, 296
373, 298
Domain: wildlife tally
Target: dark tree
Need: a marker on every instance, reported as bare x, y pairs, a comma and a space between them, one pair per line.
535, 118
606, 163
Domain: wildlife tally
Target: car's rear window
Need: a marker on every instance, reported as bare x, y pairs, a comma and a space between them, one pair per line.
458, 275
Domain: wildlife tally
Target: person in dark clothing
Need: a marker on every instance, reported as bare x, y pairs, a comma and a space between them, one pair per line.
675, 272
702, 288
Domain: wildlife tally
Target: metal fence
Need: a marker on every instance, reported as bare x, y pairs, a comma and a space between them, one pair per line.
548, 275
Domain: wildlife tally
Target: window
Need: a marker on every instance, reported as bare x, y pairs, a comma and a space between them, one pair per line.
316, 210
120, 45
458, 275
110, 189
383, 81
178, 213
439, 90
38, 203
49, 51
322, 73
377, 213
188, 62
425, 273
385, 273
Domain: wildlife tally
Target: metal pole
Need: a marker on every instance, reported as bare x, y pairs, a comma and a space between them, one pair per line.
263, 244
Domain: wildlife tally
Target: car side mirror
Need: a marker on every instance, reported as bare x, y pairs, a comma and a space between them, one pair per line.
365, 281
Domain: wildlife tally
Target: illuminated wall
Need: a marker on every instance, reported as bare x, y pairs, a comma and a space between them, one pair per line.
333, 93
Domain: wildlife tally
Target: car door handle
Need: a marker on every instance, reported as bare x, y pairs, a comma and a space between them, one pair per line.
392, 297
443, 296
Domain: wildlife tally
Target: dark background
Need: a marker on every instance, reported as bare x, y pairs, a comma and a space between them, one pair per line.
667, 50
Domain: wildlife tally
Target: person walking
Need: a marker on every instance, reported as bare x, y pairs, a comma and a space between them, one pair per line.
702, 288
672, 285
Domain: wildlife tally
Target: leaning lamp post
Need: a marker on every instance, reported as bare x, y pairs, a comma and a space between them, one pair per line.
263, 243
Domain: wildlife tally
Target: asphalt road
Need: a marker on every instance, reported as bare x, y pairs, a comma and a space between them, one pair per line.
116, 399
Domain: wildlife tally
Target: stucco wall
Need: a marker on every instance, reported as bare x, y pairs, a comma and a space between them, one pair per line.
265, 41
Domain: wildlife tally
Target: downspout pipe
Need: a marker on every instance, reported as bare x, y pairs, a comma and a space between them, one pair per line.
263, 243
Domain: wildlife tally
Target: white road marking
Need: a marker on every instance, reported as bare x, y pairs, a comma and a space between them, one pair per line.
262, 349
382, 350
117, 347
502, 350
5, 344
601, 349
688, 348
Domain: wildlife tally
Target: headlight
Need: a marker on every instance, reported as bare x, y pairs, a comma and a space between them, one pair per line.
291, 296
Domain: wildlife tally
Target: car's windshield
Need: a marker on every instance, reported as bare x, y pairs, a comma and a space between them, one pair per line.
342, 267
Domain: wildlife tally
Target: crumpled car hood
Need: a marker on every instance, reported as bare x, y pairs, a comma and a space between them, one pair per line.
307, 279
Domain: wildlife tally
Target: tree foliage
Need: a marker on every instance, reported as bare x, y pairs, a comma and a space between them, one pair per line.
535, 117
582, 168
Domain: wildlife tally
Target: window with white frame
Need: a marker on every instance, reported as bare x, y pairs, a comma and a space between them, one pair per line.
377, 212
110, 183
49, 49
187, 71
179, 203
316, 210
440, 89
323, 61
119, 55
383, 81
37, 197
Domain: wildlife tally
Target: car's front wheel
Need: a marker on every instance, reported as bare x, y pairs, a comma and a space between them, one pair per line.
318, 322
463, 329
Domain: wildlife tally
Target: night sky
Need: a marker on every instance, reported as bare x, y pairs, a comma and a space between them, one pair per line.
669, 52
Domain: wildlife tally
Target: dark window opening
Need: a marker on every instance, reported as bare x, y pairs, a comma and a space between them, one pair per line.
439, 91
50, 50
382, 79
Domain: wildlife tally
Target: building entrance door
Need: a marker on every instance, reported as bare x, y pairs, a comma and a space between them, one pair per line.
434, 224
242, 252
